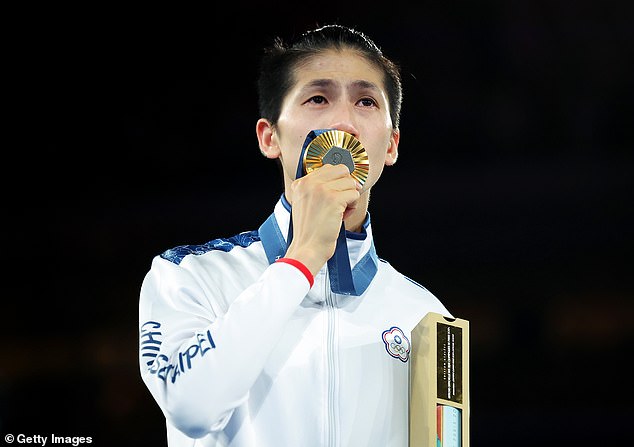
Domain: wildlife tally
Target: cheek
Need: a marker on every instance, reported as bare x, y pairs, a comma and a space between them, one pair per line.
289, 162
376, 155
291, 149
375, 173
377, 162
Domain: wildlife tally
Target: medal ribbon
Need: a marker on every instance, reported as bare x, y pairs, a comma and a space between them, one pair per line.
275, 247
342, 280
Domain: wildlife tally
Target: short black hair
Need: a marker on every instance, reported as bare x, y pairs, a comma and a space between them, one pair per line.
280, 60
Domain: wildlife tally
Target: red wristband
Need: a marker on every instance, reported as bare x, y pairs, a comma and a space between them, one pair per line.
301, 267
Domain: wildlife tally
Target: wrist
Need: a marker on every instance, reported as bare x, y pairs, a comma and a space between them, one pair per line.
301, 267
312, 260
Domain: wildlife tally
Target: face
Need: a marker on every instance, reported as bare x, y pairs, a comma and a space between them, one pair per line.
335, 90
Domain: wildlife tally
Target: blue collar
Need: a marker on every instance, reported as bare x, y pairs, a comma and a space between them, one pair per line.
343, 279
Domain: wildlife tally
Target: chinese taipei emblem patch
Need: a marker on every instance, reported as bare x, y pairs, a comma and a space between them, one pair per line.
397, 344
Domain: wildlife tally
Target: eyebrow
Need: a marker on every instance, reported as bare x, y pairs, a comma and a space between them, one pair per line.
365, 85
329, 83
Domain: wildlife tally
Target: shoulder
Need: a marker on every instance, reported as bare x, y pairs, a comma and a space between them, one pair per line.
218, 268
409, 290
400, 280
177, 254
213, 262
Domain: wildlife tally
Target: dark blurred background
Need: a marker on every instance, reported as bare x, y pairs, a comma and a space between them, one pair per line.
132, 130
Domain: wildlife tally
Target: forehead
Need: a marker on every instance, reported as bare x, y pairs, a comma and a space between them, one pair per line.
343, 64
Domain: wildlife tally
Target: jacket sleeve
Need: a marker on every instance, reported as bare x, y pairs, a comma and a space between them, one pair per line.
199, 362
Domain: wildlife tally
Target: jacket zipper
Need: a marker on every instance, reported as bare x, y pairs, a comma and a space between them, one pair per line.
332, 367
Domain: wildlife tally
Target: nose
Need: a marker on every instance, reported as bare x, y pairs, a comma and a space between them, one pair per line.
343, 119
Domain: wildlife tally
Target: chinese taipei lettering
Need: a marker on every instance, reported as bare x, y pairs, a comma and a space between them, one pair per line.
159, 364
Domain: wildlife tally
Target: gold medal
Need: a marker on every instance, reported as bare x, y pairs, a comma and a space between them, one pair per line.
337, 147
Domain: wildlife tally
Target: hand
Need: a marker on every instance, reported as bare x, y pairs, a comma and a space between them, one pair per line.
320, 200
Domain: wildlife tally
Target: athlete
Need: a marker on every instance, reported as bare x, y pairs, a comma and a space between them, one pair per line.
295, 333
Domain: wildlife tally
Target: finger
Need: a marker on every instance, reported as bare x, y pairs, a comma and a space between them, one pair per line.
343, 184
329, 171
350, 196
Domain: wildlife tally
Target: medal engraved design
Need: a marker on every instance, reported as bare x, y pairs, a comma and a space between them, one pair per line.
337, 147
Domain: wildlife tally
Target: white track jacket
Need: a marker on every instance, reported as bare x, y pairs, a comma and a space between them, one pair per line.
238, 350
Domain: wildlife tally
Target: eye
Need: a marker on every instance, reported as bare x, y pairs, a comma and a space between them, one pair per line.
317, 99
367, 102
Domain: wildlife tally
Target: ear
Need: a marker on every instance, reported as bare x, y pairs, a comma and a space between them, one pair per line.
267, 139
392, 151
